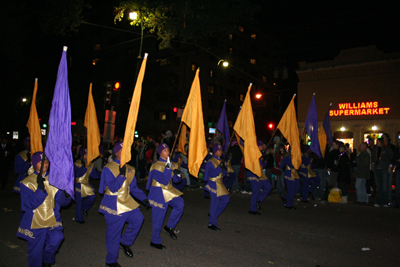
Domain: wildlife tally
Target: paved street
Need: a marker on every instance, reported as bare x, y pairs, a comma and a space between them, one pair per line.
315, 234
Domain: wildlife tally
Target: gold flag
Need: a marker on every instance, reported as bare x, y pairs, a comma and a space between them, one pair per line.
132, 116
92, 127
182, 140
193, 117
290, 130
322, 140
33, 124
245, 128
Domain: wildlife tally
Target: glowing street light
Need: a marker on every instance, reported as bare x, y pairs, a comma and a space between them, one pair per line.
343, 129
133, 15
24, 99
258, 96
374, 128
224, 63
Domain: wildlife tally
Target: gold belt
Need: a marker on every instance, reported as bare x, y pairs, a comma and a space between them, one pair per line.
221, 189
169, 192
125, 202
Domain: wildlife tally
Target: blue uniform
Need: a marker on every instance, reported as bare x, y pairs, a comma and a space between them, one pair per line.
41, 224
162, 194
180, 185
258, 183
309, 178
118, 207
213, 176
21, 167
230, 176
85, 194
291, 178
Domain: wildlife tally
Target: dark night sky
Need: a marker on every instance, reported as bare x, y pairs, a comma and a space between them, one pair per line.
305, 30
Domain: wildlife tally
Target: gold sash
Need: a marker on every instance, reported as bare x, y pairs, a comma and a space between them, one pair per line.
86, 189
311, 173
43, 216
221, 189
229, 168
30, 170
293, 174
125, 202
169, 192
23, 154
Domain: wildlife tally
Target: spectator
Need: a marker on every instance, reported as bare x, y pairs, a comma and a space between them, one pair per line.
343, 176
382, 158
361, 173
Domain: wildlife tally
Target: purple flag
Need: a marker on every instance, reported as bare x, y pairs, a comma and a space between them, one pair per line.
311, 127
327, 127
59, 142
223, 127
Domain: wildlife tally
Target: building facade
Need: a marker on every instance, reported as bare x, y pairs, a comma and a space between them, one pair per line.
363, 87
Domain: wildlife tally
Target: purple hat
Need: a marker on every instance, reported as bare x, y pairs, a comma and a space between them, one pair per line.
82, 151
36, 158
161, 147
26, 140
118, 146
216, 148
259, 143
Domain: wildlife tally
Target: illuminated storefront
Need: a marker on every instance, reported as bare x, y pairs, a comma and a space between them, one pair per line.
363, 86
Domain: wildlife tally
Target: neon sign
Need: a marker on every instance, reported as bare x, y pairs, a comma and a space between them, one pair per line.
359, 109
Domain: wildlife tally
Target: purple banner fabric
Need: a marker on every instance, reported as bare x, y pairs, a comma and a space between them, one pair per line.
59, 141
326, 124
223, 127
311, 127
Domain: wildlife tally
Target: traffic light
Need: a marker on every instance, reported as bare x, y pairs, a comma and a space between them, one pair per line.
117, 85
175, 109
271, 126
116, 94
44, 125
108, 93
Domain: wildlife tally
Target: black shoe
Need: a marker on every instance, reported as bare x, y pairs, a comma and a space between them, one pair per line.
114, 264
80, 222
305, 201
85, 213
127, 250
284, 200
171, 233
214, 228
258, 204
46, 264
290, 208
254, 212
157, 246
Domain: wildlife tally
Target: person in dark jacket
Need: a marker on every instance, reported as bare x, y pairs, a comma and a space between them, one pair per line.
344, 176
361, 173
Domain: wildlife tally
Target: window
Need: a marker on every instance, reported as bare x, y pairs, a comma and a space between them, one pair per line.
94, 62
211, 73
241, 29
163, 116
211, 89
231, 50
253, 36
230, 37
194, 66
163, 62
241, 97
265, 79
253, 61
96, 47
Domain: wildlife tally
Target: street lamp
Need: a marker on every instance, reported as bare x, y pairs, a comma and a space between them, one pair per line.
258, 96
224, 63
24, 99
133, 15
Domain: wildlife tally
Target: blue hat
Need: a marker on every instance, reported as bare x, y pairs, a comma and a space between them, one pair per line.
161, 147
82, 151
118, 146
36, 158
216, 148
26, 140
259, 143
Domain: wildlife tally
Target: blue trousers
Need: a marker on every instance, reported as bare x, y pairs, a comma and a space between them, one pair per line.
45, 246
180, 185
83, 203
309, 185
382, 186
158, 215
266, 187
292, 188
229, 179
115, 225
217, 206
280, 184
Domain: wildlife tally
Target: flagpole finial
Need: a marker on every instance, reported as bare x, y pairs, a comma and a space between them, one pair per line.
294, 95
250, 84
225, 100
330, 104
36, 79
145, 55
65, 48
313, 94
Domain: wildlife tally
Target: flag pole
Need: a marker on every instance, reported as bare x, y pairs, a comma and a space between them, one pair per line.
172, 151
276, 129
229, 145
